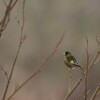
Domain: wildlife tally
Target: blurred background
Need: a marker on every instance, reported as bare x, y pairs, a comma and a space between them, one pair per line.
45, 21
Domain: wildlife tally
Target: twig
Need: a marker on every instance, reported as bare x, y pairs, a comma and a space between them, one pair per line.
15, 60
95, 60
87, 53
98, 60
70, 80
4, 3
38, 70
5, 73
97, 40
86, 74
96, 92
4, 22
13, 5
5, 18
74, 88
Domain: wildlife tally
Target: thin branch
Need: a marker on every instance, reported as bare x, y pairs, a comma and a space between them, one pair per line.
97, 40
86, 74
98, 60
74, 88
82, 77
70, 80
17, 54
4, 22
95, 60
13, 5
4, 72
87, 53
96, 92
4, 3
38, 70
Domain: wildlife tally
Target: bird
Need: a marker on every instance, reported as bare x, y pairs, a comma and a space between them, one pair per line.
71, 61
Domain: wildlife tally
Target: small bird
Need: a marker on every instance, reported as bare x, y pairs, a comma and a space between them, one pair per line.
71, 61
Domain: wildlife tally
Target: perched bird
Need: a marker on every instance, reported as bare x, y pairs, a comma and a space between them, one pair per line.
71, 61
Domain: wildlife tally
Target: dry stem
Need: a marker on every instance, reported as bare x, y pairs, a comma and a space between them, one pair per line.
96, 92
4, 22
15, 60
4, 72
86, 74
38, 70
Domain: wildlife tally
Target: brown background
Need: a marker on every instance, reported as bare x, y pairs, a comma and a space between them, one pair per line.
45, 21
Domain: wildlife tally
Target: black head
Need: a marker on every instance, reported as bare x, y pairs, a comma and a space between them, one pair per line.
67, 53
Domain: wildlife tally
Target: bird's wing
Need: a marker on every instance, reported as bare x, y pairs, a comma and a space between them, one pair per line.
72, 60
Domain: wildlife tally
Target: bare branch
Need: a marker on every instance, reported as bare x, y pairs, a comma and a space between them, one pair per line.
4, 22
87, 52
13, 5
38, 70
95, 60
4, 3
86, 74
17, 54
74, 88
96, 92
97, 40
5, 73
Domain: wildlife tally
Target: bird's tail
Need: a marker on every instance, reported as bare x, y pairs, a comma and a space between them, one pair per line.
81, 69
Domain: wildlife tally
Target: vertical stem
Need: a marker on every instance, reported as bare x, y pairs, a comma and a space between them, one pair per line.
70, 80
86, 73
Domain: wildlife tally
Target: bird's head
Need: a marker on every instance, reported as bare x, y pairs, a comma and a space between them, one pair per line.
67, 53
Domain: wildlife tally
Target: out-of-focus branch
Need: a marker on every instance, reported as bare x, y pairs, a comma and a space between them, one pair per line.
97, 40
74, 88
4, 72
38, 70
13, 5
5, 20
95, 60
17, 54
86, 72
96, 92
4, 3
